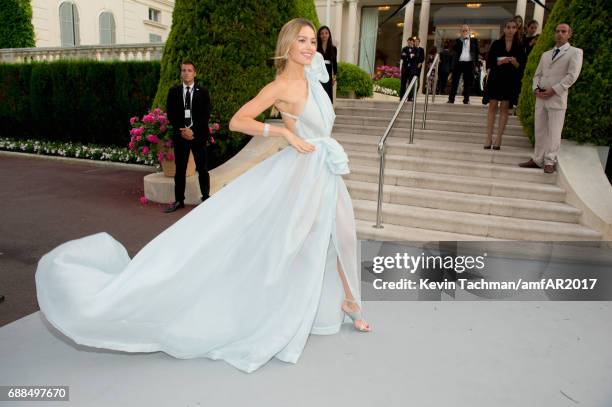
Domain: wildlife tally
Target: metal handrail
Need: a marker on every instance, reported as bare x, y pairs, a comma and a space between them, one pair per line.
383, 140
431, 71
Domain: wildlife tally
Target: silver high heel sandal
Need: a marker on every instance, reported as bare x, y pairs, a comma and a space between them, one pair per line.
356, 316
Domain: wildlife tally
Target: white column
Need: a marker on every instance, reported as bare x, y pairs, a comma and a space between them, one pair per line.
423, 31
337, 27
521, 7
408, 22
328, 13
538, 15
351, 31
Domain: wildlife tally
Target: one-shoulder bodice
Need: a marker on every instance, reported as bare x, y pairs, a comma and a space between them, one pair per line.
316, 121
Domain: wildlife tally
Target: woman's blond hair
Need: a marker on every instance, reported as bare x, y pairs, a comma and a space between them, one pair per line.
286, 37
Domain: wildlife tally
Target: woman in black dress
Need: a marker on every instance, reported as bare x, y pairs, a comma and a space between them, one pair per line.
504, 61
329, 52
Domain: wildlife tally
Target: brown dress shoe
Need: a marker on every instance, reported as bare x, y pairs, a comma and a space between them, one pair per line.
529, 164
549, 169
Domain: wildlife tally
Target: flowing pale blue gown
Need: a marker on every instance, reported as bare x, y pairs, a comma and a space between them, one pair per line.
244, 277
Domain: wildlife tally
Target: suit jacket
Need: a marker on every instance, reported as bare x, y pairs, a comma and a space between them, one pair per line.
560, 74
200, 111
421, 56
411, 58
458, 47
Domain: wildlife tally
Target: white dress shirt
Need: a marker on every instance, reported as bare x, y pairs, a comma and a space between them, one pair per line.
191, 93
561, 48
465, 52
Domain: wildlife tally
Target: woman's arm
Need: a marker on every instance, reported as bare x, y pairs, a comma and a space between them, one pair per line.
244, 121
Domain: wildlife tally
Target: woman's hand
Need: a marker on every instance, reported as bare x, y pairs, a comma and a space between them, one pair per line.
298, 143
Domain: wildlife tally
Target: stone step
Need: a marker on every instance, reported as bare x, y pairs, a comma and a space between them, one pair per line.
500, 227
470, 203
464, 127
440, 135
432, 114
389, 232
501, 172
432, 149
458, 183
474, 107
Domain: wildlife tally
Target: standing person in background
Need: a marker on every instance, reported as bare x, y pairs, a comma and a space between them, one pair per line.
505, 58
409, 66
188, 107
531, 37
445, 67
330, 54
420, 54
520, 30
557, 71
466, 56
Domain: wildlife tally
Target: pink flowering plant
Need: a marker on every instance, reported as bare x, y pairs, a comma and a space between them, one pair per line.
151, 136
385, 71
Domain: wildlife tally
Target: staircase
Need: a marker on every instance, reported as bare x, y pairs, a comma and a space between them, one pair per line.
445, 186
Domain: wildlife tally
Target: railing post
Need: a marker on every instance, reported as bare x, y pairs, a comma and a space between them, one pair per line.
435, 83
414, 103
381, 178
426, 102
412, 87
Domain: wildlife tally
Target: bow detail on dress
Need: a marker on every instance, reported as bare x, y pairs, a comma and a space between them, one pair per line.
336, 158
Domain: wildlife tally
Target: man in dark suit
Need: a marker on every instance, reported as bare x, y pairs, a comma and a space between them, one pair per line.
464, 60
445, 67
188, 112
410, 62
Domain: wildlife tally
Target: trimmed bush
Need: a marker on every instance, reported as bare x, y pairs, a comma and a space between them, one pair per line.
389, 83
588, 116
16, 29
231, 43
76, 101
352, 78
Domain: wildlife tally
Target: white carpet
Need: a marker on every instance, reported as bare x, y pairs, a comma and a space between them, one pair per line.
420, 354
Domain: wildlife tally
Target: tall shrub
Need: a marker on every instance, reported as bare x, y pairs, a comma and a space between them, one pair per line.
16, 29
588, 116
81, 101
231, 43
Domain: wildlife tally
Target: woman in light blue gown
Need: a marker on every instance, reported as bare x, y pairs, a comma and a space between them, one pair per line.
248, 274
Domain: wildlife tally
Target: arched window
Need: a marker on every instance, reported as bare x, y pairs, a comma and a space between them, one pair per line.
107, 28
69, 24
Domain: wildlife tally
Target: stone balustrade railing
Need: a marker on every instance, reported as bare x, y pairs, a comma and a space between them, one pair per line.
118, 52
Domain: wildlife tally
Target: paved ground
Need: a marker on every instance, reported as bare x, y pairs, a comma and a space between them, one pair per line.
476, 354
48, 202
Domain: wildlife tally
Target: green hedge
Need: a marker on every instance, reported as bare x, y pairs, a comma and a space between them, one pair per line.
231, 43
390, 83
351, 78
16, 29
588, 117
78, 101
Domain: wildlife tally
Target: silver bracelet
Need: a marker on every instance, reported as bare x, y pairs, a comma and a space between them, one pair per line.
266, 130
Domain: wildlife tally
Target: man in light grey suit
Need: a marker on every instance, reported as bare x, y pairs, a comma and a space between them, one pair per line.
557, 71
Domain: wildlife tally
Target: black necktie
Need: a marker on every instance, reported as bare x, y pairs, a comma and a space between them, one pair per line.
188, 107
555, 52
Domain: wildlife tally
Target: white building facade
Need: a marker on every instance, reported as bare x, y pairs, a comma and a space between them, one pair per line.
70, 23
371, 33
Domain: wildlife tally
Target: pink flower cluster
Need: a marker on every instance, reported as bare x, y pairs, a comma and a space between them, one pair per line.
385, 71
151, 134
